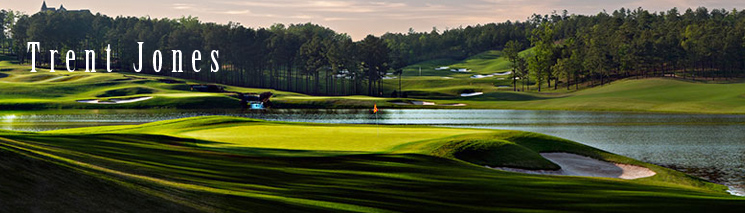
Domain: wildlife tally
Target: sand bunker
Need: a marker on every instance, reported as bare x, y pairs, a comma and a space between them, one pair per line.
424, 103
577, 165
736, 192
492, 75
503, 73
114, 100
460, 70
471, 94
454, 105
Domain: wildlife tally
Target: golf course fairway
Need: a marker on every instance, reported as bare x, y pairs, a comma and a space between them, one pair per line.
23, 90
175, 166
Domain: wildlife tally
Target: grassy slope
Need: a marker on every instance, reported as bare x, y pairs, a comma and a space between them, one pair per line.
443, 142
651, 95
488, 62
20, 89
31, 184
443, 83
656, 95
280, 135
422, 175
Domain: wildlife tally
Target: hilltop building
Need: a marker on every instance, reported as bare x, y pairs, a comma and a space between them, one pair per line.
44, 8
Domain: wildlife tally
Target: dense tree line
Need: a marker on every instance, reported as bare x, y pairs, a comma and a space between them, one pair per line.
308, 58
458, 43
593, 50
301, 57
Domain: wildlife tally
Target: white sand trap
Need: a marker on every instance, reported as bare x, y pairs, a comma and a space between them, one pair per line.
460, 70
492, 75
577, 165
454, 105
736, 192
114, 100
481, 76
423, 103
503, 73
471, 94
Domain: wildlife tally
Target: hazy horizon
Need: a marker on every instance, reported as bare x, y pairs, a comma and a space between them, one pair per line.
359, 18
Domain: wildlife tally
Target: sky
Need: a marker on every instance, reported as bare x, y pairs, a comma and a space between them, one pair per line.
359, 18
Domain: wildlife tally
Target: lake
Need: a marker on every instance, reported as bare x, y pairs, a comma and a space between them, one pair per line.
707, 146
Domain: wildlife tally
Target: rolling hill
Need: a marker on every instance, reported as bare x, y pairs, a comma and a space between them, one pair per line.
172, 166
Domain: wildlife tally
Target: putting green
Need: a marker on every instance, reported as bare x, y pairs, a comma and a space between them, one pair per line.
326, 138
169, 167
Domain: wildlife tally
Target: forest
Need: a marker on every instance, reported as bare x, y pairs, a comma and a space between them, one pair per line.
574, 49
565, 50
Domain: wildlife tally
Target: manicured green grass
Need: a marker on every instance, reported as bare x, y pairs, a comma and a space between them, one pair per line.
22, 90
444, 174
482, 147
433, 83
649, 95
239, 132
484, 63
635, 95
488, 62
653, 95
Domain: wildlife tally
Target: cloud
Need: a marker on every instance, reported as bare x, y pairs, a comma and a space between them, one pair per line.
236, 12
354, 6
339, 19
183, 6
300, 17
332, 4
362, 17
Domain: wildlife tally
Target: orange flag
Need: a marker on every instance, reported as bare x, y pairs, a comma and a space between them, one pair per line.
375, 108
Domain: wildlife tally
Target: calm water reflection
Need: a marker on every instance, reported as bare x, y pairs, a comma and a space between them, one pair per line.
708, 146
